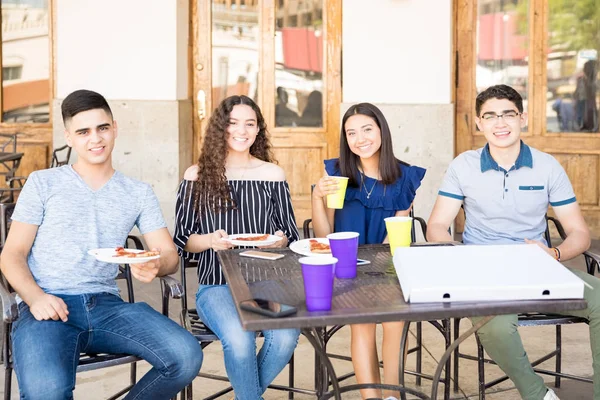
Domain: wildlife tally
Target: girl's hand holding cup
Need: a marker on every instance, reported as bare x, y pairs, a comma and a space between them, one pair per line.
327, 185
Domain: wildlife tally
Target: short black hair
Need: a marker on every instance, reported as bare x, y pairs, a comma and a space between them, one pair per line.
83, 100
499, 92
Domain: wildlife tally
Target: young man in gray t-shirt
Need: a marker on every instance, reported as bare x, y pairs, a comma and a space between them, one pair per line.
70, 301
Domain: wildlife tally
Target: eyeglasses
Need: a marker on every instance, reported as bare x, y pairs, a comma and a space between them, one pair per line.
508, 117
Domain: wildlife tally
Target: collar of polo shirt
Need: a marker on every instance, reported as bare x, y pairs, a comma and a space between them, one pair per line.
523, 160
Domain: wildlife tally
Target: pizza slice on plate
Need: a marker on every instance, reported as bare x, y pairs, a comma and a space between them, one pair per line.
318, 247
258, 238
122, 252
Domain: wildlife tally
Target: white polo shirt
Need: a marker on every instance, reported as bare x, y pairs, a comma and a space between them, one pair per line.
504, 207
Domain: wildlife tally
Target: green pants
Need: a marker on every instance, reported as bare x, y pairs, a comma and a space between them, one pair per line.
501, 340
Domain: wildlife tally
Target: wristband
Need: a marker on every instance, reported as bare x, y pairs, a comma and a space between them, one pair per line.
556, 253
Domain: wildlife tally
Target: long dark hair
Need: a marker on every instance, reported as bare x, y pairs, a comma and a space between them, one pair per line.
349, 162
211, 191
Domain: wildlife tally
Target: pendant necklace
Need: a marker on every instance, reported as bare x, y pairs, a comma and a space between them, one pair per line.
368, 192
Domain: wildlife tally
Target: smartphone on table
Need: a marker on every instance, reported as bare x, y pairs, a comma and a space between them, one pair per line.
268, 307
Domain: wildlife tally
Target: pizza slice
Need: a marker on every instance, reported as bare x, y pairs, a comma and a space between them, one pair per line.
258, 238
318, 247
122, 252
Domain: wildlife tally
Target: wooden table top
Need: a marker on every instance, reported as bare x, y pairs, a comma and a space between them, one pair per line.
374, 296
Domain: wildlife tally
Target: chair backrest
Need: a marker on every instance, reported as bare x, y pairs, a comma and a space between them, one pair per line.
10, 145
65, 156
6, 210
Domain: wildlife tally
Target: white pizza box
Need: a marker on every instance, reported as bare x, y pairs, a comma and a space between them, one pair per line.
483, 273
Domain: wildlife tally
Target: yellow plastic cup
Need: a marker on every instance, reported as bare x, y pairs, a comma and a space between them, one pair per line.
336, 200
398, 230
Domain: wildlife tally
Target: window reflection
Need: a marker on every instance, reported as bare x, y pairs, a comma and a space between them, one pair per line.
502, 50
299, 63
25, 61
572, 78
235, 36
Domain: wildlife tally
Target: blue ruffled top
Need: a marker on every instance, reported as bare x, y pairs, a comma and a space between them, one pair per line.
366, 215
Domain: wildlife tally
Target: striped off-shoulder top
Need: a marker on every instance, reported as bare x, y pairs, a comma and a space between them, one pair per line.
262, 207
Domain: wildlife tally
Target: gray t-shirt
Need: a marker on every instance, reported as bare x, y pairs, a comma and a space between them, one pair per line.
73, 219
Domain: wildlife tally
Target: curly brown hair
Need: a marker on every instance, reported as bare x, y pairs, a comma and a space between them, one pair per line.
211, 191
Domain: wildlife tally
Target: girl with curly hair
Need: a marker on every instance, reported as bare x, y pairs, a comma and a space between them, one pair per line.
379, 186
235, 188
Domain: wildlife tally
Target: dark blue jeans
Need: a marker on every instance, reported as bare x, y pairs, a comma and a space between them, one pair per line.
46, 353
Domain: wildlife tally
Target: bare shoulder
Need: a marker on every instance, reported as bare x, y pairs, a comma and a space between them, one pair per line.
191, 174
272, 172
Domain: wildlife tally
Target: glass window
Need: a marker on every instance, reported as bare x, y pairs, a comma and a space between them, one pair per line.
299, 64
25, 61
235, 34
502, 50
573, 98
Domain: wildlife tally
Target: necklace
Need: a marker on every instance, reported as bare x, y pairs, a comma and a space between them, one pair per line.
244, 169
368, 192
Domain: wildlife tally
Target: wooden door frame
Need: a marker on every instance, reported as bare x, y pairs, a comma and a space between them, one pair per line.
201, 69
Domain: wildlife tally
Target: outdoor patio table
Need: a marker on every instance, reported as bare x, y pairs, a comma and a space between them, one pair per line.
374, 296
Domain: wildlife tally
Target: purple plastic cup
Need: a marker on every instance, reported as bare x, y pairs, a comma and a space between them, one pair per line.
318, 273
344, 247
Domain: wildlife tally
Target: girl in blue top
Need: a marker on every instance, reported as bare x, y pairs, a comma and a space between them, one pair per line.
379, 186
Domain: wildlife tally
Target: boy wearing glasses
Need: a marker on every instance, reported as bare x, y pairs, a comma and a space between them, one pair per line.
505, 189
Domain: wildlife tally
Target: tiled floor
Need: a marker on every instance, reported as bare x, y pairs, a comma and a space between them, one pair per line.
537, 340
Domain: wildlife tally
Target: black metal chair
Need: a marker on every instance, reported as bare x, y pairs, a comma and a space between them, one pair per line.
10, 161
442, 326
87, 361
191, 321
530, 319
64, 153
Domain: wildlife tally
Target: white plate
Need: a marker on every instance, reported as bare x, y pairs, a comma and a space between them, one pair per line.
270, 240
303, 247
108, 255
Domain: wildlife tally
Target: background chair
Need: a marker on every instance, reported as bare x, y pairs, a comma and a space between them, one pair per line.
60, 156
191, 321
87, 361
10, 161
442, 326
530, 319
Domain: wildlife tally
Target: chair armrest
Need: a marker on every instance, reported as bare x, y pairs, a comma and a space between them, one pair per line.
136, 242
423, 224
592, 261
558, 225
171, 287
306, 228
10, 311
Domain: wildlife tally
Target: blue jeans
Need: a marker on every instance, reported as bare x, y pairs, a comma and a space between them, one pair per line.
249, 374
46, 353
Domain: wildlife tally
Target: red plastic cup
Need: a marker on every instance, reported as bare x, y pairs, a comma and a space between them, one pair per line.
344, 247
318, 274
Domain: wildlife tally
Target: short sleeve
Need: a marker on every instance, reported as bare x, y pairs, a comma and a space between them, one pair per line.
405, 193
560, 191
451, 186
30, 205
283, 212
185, 215
332, 167
150, 218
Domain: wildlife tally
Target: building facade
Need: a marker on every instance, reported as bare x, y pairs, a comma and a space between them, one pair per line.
165, 65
